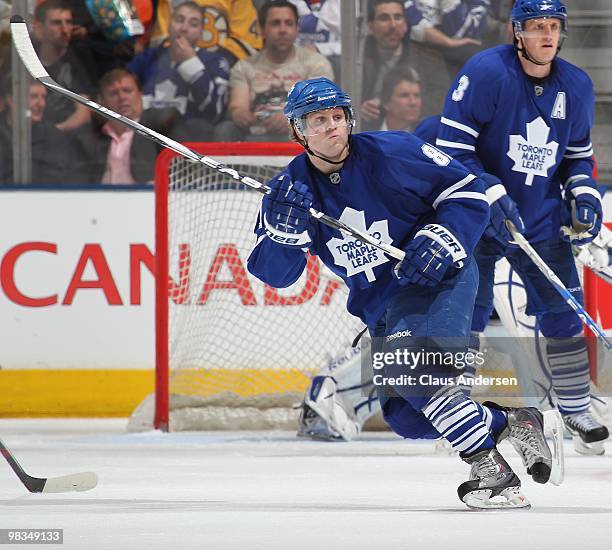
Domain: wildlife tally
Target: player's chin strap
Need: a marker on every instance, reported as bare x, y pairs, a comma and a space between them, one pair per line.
311, 152
303, 141
523, 51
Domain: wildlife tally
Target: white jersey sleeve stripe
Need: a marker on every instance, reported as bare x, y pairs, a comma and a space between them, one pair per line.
585, 155
459, 126
584, 190
455, 145
453, 188
468, 195
577, 177
579, 149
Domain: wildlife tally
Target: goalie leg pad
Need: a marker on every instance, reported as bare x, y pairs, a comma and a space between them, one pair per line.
323, 400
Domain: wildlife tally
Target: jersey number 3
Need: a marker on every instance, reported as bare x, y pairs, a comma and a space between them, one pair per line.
462, 86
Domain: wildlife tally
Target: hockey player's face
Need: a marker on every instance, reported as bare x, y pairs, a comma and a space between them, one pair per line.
188, 23
327, 131
280, 30
389, 25
541, 38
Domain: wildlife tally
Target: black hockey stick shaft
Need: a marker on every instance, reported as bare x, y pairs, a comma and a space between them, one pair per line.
82, 481
25, 49
32, 484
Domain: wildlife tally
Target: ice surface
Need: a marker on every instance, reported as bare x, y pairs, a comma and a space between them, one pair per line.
256, 490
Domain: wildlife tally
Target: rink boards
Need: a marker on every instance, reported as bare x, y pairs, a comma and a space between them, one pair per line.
77, 301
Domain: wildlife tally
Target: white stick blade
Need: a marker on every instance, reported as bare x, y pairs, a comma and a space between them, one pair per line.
25, 49
83, 481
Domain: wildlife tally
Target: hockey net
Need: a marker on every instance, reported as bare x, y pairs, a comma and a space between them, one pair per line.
231, 352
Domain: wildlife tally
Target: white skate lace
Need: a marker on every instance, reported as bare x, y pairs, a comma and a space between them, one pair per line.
583, 421
485, 467
529, 443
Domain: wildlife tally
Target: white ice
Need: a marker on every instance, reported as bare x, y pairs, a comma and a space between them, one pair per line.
219, 490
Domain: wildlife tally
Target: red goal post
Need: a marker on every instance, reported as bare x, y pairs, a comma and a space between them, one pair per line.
232, 352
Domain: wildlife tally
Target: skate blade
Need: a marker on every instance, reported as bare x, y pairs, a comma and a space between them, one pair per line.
509, 499
554, 428
591, 449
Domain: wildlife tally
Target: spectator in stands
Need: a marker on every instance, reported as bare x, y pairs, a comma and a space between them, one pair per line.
455, 27
112, 153
50, 147
259, 84
387, 48
319, 28
230, 26
401, 100
53, 28
182, 75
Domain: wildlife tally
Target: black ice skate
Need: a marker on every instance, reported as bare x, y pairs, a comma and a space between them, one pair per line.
492, 483
527, 430
588, 434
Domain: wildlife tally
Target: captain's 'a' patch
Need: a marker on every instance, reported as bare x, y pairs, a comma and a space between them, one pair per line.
558, 110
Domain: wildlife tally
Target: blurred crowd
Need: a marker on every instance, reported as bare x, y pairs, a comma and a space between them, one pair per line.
220, 70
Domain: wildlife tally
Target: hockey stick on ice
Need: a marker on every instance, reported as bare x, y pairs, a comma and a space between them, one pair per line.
25, 49
82, 481
558, 284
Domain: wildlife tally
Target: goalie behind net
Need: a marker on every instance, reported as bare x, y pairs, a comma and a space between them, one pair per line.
239, 353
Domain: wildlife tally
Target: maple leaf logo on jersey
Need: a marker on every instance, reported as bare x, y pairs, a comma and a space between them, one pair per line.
535, 155
165, 96
354, 255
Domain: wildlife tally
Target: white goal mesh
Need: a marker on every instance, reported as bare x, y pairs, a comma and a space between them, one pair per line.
240, 353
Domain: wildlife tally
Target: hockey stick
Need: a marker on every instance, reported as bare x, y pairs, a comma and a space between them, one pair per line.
558, 284
82, 481
25, 49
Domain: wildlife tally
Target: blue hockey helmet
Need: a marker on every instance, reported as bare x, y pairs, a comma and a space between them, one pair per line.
316, 94
524, 10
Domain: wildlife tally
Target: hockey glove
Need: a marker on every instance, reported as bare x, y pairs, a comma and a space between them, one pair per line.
587, 214
429, 255
502, 208
285, 211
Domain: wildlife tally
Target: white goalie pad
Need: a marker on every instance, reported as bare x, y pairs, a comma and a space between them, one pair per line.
354, 394
322, 398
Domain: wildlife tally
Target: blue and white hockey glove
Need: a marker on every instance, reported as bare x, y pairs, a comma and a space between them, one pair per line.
587, 213
429, 255
285, 211
502, 208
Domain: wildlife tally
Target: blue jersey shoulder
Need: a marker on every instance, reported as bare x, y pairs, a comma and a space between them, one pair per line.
492, 64
577, 79
387, 144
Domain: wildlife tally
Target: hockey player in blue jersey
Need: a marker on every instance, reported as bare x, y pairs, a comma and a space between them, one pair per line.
520, 117
406, 192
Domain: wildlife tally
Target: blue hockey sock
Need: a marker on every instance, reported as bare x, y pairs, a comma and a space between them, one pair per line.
494, 419
569, 365
459, 420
